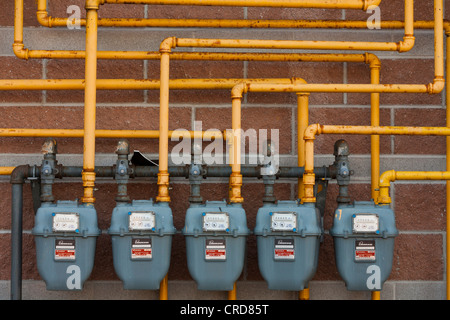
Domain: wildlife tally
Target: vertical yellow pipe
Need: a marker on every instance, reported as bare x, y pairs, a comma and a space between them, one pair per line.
163, 288
375, 121
302, 124
232, 293
447, 98
235, 195
163, 174
90, 92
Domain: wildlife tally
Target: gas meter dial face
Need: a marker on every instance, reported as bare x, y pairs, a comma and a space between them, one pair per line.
142, 220
216, 221
365, 223
66, 222
283, 221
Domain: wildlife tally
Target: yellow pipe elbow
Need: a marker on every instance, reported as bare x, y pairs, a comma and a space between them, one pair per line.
167, 44
93, 4
407, 43
372, 60
436, 86
385, 182
371, 3
20, 51
238, 90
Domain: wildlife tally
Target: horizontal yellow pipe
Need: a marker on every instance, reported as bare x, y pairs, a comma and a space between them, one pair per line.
109, 133
315, 129
129, 84
389, 176
329, 4
6, 171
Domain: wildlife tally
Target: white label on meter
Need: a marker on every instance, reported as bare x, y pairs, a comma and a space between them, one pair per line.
283, 221
365, 223
66, 222
216, 221
142, 220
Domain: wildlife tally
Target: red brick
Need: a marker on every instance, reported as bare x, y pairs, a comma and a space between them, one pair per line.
107, 69
15, 68
420, 144
312, 72
358, 144
418, 257
29, 13
420, 206
293, 13
408, 71
197, 70
194, 12
394, 10
252, 118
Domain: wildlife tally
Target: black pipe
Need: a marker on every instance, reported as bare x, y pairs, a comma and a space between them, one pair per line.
18, 177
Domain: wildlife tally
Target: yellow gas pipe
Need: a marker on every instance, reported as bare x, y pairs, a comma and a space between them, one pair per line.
402, 46
90, 100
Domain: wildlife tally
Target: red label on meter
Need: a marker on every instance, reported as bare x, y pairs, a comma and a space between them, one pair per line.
215, 249
365, 250
284, 249
141, 248
64, 249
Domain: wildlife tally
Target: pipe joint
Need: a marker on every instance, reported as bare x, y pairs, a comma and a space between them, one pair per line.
372, 60
167, 45
311, 131
309, 180
437, 86
238, 90
407, 43
43, 18
93, 4
19, 174
370, 3
20, 51
163, 187
88, 178
235, 188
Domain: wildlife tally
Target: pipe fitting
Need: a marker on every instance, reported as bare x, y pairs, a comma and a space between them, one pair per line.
167, 45
407, 43
88, 178
20, 51
163, 187
309, 180
385, 181
235, 188
93, 4
370, 3
43, 18
372, 60
238, 90
436, 86
312, 130
19, 174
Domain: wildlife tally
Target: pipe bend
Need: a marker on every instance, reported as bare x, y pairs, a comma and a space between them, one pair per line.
93, 4
239, 89
311, 131
372, 60
43, 18
407, 43
19, 174
436, 86
167, 44
20, 51
371, 3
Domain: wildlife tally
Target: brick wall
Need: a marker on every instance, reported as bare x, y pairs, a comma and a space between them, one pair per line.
419, 259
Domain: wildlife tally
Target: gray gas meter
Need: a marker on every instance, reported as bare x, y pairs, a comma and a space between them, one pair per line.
363, 235
65, 234
141, 234
215, 235
288, 239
